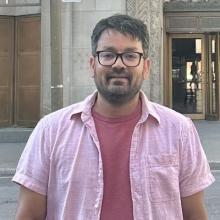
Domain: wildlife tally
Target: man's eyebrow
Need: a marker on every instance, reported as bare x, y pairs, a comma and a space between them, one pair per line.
131, 49
113, 49
109, 49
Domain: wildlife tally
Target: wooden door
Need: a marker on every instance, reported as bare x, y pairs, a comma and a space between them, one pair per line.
19, 71
27, 71
6, 70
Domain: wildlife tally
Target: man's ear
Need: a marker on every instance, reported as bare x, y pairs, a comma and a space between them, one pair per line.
92, 65
146, 69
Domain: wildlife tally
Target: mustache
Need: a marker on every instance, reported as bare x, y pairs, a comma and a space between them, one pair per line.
118, 74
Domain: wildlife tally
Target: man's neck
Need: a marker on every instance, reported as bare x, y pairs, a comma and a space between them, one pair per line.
103, 107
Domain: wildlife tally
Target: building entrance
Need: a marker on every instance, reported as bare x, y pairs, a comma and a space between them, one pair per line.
19, 70
194, 74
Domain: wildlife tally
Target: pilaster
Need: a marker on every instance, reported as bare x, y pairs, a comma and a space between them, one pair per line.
151, 12
45, 58
56, 55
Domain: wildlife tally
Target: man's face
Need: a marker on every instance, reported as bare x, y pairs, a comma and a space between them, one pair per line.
118, 83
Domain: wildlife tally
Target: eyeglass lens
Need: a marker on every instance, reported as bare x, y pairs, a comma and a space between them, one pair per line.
107, 58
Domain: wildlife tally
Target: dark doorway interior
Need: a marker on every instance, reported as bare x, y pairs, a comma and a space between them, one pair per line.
187, 77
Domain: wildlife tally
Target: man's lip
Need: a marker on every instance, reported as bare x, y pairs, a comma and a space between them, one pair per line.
118, 77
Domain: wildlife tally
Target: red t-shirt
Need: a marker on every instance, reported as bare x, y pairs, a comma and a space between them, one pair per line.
115, 140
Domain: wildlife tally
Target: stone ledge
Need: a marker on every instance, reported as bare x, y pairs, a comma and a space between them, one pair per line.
14, 135
7, 171
214, 165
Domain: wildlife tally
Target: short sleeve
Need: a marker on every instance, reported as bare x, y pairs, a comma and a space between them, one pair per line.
33, 167
195, 174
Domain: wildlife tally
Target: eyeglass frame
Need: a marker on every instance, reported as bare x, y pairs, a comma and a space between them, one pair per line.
119, 55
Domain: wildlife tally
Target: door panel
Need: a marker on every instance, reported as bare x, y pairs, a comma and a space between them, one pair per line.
6, 70
194, 75
187, 75
19, 70
212, 52
27, 71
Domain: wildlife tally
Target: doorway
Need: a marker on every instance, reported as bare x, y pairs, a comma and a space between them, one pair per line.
19, 70
193, 75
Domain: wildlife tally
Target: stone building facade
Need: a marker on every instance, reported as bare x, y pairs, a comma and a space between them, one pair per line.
72, 39
65, 42
76, 21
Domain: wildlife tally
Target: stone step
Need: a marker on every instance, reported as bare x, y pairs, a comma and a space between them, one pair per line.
9, 155
14, 135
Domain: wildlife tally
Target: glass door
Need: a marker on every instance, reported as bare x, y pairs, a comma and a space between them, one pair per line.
212, 51
187, 74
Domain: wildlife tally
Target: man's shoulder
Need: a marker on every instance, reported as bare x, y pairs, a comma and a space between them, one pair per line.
67, 111
64, 115
168, 115
164, 109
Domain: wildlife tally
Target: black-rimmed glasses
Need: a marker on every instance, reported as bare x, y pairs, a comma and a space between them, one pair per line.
129, 59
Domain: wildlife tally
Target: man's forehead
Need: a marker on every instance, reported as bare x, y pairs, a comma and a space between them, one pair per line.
114, 40
116, 37
111, 31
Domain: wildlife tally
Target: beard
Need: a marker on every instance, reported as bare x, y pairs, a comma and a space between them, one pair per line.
117, 93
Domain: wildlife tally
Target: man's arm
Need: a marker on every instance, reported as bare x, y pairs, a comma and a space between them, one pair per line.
193, 207
31, 206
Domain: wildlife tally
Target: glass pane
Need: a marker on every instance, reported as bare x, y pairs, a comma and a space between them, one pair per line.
187, 75
212, 78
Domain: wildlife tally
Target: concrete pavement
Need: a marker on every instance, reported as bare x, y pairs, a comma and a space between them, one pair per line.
209, 132
12, 142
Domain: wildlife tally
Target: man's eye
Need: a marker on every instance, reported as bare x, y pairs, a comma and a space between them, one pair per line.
130, 56
107, 55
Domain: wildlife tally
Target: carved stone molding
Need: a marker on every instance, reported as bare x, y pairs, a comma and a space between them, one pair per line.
192, 6
150, 12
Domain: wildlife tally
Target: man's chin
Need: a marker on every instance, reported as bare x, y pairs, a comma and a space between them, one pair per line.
118, 91
117, 96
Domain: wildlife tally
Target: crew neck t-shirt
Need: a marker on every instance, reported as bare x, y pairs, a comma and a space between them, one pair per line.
115, 135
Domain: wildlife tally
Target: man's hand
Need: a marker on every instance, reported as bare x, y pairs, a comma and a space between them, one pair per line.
31, 206
193, 207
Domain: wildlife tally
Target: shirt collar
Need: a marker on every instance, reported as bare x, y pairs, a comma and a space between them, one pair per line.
148, 109
84, 108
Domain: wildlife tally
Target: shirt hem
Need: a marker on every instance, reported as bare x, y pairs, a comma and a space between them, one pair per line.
29, 183
195, 189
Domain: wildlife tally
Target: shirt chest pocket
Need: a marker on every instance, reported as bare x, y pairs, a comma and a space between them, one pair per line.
163, 177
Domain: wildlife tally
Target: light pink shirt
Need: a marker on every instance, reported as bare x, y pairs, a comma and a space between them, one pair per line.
62, 160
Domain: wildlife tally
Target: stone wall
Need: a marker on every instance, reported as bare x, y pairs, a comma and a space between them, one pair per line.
78, 21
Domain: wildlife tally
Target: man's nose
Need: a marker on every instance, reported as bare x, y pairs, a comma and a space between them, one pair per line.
119, 62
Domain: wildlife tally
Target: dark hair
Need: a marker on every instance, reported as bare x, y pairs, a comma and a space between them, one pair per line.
124, 24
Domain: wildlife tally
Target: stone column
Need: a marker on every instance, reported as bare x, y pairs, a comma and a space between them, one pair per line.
56, 56
151, 12
45, 58
67, 50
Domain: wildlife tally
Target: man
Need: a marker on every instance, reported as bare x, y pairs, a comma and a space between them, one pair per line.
115, 155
